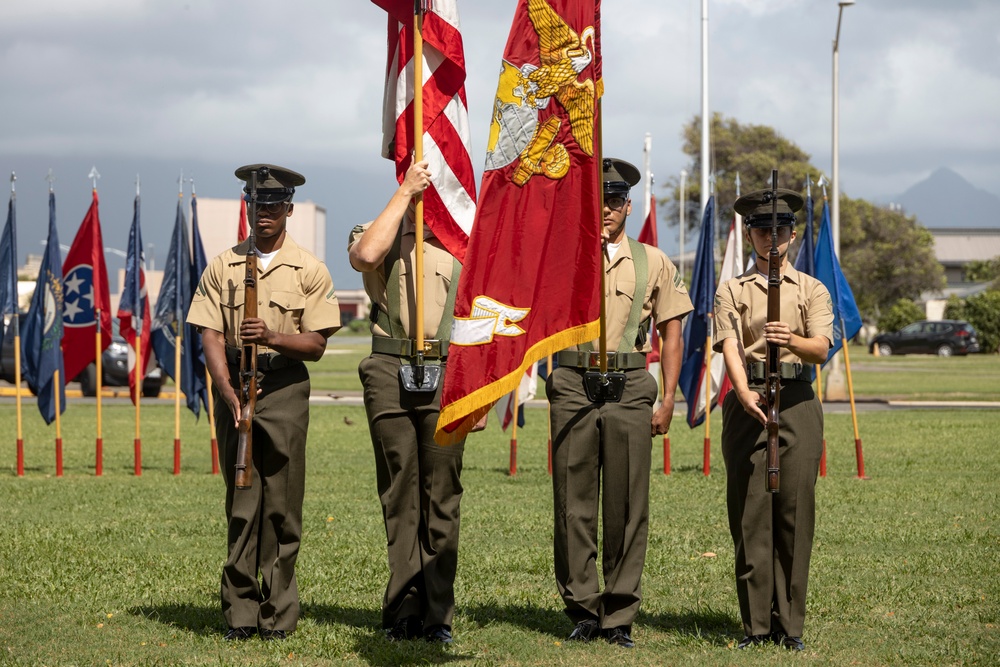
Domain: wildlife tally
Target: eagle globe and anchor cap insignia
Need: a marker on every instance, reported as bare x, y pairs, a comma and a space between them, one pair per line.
515, 132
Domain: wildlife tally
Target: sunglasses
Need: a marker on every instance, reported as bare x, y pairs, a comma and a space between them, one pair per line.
274, 207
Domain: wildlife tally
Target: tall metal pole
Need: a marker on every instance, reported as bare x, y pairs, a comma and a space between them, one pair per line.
835, 179
682, 209
836, 389
647, 176
706, 121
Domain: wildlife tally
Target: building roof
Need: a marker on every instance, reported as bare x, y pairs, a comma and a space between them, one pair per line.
956, 247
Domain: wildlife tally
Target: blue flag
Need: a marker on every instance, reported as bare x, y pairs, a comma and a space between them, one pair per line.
171, 308
693, 370
805, 262
198, 265
43, 329
846, 318
8, 274
133, 309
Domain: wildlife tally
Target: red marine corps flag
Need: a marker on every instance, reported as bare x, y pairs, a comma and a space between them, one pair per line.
531, 281
450, 201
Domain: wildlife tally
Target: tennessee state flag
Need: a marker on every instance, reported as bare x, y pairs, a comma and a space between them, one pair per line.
531, 281
85, 293
450, 201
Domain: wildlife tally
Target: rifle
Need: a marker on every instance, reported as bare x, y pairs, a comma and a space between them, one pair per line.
773, 387
248, 351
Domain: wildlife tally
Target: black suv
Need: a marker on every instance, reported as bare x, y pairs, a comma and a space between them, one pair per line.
941, 337
114, 367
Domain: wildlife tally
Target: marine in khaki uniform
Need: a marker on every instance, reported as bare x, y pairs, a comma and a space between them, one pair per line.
297, 312
772, 533
419, 483
601, 451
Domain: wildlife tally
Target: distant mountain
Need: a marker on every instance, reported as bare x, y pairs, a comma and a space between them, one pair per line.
945, 199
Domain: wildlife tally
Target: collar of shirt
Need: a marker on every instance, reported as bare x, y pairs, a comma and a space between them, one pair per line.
624, 252
289, 253
790, 275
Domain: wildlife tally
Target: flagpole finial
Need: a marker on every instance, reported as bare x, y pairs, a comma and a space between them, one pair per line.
737, 185
94, 175
822, 182
809, 192
191, 181
180, 185
51, 178
13, 177
137, 185
711, 184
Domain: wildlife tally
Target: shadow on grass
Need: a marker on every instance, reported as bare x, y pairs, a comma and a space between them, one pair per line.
715, 627
202, 620
543, 621
372, 646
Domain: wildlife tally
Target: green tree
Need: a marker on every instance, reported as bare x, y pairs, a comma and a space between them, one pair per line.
885, 255
903, 312
981, 271
982, 311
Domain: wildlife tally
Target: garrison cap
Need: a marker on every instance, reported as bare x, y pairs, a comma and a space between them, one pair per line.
274, 185
619, 176
755, 207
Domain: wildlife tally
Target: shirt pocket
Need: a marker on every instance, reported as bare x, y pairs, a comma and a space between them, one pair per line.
233, 299
288, 307
442, 282
624, 296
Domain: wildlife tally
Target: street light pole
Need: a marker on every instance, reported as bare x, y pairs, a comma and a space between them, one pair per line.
835, 179
836, 388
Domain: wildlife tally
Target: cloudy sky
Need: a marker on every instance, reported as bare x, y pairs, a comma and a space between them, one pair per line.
203, 86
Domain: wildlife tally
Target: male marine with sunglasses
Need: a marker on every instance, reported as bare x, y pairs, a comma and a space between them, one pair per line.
297, 312
602, 447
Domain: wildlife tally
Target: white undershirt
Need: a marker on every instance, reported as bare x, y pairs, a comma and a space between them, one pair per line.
265, 257
613, 249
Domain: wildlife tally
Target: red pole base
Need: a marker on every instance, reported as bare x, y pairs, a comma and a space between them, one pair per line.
861, 458
99, 458
822, 460
215, 456
138, 457
20, 457
59, 462
513, 457
666, 455
177, 456
708, 457
550, 457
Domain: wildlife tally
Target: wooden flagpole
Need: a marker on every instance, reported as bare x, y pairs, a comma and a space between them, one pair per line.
548, 412
178, 342
854, 413
16, 320
59, 447
211, 423
99, 366
418, 156
707, 453
513, 434
819, 395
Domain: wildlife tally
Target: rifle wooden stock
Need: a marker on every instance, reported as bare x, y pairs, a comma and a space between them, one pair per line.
248, 352
772, 392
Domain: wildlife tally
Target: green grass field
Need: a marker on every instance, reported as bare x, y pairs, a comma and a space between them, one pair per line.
124, 570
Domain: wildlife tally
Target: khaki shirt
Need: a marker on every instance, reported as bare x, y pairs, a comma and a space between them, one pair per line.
438, 264
294, 295
664, 297
741, 311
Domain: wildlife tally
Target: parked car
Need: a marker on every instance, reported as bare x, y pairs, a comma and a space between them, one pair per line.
114, 367
941, 337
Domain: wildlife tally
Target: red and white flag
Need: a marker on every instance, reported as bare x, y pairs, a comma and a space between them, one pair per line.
450, 201
732, 266
526, 391
242, 230
648, 236
85, 293
531, 281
